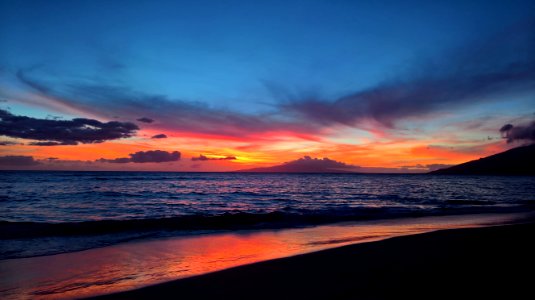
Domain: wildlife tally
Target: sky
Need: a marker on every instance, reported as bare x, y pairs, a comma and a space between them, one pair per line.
387, 86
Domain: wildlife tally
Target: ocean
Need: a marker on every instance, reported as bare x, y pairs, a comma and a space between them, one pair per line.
68, 235
43, 213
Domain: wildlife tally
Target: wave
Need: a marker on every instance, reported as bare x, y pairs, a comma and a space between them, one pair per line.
285, 218
138, 178
470, 202
239, 220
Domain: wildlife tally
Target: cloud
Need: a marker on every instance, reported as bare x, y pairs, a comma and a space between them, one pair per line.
503, 64
159, 136
518, 133
152, 156
63, 132
7, 143
145, 120
53, 143
17, 161
21, 75
434, 167
430, 167
172, 114
205, 158
121, 160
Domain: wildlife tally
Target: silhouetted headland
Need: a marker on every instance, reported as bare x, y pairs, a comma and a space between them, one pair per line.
517, 161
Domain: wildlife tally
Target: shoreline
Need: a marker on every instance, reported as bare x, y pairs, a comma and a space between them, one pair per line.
140, 264
114, 232
467, 262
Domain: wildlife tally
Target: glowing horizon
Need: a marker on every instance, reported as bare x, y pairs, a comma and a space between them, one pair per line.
236, 86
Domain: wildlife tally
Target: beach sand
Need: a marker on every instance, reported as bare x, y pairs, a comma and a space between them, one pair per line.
477, 263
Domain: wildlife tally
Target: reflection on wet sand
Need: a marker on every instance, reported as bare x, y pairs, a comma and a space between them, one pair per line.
136, 264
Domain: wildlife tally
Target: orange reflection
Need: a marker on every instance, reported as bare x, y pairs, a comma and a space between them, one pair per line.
136, 264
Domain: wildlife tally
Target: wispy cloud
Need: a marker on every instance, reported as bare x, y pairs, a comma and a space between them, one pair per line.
501, 65
172, 114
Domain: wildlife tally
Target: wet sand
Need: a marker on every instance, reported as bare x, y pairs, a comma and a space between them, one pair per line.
490, 262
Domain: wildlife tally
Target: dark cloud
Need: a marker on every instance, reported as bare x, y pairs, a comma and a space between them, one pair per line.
63, 132
204, 158
145, 120
121, 160
430, 167
524, 133
506, 128
7, 143
17, 161
501, 65
53, 117
152, 156
53, 143
159, 136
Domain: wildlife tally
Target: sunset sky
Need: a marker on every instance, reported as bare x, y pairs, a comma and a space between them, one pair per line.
227, 85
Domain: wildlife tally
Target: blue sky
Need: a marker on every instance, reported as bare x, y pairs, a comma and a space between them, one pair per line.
251, 52
288, 63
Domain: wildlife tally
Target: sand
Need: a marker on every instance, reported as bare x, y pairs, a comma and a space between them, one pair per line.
477, 263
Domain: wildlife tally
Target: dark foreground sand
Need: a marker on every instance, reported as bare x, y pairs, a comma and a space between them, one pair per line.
481, 263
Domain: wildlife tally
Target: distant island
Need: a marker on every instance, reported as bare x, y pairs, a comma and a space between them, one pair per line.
517, 161
307, 165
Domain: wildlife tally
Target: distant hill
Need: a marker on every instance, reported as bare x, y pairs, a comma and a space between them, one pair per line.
517, 161
307, 165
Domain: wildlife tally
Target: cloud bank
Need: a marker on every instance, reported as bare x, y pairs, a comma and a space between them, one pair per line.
62, 132
523, 133
152, 156
17, 161
205, 158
